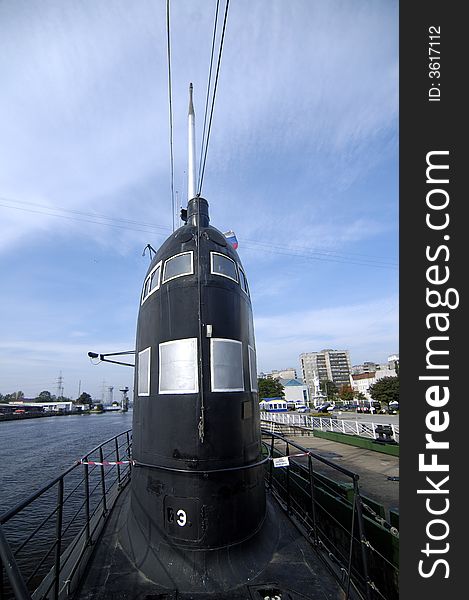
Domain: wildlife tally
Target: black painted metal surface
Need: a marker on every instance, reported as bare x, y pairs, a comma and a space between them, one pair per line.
212, 434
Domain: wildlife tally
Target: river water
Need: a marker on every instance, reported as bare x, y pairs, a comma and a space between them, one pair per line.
34, 451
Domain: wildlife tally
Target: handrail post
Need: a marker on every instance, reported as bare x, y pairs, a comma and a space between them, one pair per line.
287, 453
361, 533
271, 465
313, 506
128, 445
87, 502
58, 533
117, 460
103, 481
11, 568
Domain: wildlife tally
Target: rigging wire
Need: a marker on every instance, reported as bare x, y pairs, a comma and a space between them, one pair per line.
93, 214
168, 31
208, 88
215, 85
320, 254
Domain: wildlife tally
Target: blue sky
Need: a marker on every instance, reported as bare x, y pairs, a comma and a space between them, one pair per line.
302, 165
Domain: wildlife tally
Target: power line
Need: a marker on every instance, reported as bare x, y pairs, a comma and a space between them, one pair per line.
312, 255
321, 254
301, 252
92, 219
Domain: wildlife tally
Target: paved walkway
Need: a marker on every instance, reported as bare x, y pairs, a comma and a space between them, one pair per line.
374, 468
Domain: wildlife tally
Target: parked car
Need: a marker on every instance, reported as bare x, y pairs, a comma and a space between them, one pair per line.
304, 409
326, 407
347, 407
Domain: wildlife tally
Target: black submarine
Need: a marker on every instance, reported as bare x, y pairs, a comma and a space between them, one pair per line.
199, 482
198, 522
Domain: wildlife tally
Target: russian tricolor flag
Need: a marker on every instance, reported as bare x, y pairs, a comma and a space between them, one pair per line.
231, 237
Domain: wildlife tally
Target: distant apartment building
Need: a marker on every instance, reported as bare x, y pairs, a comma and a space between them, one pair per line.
326, 365
393, 362
368, 367
288, 373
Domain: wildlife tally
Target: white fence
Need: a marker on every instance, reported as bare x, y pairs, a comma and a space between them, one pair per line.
361, 428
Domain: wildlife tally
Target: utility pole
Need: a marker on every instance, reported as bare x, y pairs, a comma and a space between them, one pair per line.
60, 386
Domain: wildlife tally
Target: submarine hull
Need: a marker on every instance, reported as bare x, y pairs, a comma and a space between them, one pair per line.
198, 477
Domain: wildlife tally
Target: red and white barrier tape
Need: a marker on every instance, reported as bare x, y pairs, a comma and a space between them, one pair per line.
279, 461
106, 463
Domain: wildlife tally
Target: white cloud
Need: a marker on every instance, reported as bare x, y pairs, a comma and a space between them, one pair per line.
85, 111
306, 108
368, 330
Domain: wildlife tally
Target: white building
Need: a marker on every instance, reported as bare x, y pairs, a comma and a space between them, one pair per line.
363, 381
274, 405
47, 406
393, 361
295, 391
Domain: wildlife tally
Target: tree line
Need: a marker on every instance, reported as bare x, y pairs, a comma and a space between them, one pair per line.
385, 390
44, 396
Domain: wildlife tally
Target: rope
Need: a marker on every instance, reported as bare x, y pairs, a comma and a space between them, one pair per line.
393, 530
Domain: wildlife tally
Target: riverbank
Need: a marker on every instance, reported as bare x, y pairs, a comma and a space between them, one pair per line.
22, 416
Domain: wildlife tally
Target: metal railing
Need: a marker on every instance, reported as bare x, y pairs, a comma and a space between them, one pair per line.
346, 426
44, 539
331, 516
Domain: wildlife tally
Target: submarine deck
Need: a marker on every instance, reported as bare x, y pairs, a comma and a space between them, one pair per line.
294, 572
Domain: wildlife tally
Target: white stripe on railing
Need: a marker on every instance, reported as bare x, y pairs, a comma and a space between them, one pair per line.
361, 428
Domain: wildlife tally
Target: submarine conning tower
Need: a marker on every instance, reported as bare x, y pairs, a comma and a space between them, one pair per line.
197, 501
198, 480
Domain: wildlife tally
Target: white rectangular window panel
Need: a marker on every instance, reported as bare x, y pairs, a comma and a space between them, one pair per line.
177, 266
155, 279
243, 281
146, 287
226, 365
144, 364
252, 369
152, 282
178, 367
224, 266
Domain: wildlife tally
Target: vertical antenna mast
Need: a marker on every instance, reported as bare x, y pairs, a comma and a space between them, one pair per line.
191, 175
